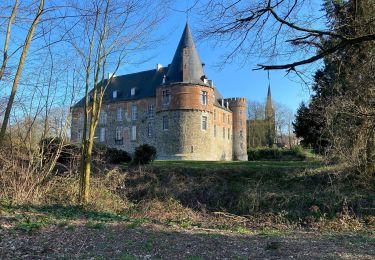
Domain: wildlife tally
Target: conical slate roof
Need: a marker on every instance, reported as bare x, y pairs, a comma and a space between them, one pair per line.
186, 66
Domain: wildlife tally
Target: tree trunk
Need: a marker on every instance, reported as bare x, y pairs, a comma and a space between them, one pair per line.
19, 70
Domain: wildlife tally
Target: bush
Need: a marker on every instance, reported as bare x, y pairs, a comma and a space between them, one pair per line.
144, 154
117, 156
50, 146
296, 153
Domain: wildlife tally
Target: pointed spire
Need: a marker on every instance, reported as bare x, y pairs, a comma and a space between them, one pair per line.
269, 91
186, 66
270, 112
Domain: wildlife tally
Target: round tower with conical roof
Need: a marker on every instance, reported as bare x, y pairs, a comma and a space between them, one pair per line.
184, 107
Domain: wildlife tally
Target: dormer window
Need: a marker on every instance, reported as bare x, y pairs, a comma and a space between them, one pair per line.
132, 92
114, 94
164, 78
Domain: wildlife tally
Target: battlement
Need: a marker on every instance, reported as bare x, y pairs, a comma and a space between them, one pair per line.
236, 99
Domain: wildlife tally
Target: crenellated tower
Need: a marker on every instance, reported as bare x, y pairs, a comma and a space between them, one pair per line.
238, 106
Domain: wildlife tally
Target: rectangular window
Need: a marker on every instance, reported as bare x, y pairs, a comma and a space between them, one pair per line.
204, 97
132, 92
134, 133
166, 97
223, 132
102, 134
80, 118
134, 112
165, 123
228, 120
103, 117
214, 130
149, 130
204, 122
119, 114
228, 133
114, 94
223, 118
151, 111
118, 133
214, 114
240, 117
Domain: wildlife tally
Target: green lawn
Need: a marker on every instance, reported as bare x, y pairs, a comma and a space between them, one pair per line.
239, 164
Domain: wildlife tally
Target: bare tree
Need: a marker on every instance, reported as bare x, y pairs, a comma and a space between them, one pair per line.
19, 70
281, 29
112, 31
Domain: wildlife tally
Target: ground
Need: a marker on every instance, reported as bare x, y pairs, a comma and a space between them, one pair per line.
174, 228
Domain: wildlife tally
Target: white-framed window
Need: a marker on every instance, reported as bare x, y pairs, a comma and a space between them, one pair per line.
215, 130
119, 133
214, 114
166, 97
204, 122
103, 118
151, 110
119, 114
114, 94
204, 97
223, 132
150, 129
132, 92
102, 134
134, 133
165, 123
134, 112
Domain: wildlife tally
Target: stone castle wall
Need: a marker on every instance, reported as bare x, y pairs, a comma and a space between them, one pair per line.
185, 138
238, 107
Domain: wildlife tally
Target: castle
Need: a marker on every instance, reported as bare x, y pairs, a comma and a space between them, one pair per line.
176, 109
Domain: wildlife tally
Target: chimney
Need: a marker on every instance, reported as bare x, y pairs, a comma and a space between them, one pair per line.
210, 83
158, 66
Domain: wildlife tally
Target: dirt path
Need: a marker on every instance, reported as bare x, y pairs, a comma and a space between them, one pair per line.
150, 241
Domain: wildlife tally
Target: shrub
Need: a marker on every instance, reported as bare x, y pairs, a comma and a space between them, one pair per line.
144, 154
296, 153
117, 156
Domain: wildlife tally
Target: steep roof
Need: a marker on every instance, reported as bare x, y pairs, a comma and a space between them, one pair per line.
144, 82
269, 110
186, 66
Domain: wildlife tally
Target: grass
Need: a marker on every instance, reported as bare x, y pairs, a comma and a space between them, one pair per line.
245, 165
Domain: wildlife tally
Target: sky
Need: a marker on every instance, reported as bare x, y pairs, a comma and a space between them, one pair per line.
232, 80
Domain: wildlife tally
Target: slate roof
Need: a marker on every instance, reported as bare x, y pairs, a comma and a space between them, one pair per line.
146, 82
186, 66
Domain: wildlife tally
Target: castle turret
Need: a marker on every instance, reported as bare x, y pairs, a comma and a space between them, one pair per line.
238, 107
184, 106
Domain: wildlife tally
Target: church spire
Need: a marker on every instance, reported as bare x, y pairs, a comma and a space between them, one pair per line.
270, 112
186, 66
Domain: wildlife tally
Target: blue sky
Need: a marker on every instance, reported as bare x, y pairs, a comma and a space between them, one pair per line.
232, 80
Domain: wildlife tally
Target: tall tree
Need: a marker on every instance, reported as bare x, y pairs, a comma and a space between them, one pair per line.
17, 76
